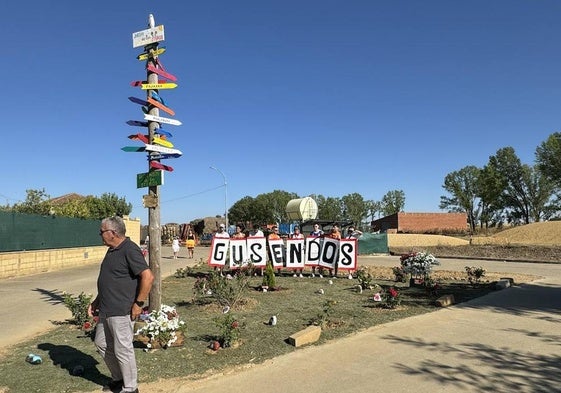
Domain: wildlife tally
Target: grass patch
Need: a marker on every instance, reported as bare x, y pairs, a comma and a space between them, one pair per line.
296, 304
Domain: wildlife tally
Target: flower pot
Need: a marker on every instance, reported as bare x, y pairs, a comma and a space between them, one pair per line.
143, 341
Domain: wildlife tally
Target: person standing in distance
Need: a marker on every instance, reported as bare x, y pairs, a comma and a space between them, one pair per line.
317, 232
123, 286
221, 234
298, 235
353, 233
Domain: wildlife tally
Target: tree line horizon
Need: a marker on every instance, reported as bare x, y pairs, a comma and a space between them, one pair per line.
502, 191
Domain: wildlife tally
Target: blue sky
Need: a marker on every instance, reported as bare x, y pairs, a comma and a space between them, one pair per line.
311, 97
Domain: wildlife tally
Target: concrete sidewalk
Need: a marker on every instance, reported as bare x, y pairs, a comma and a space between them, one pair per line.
507, 341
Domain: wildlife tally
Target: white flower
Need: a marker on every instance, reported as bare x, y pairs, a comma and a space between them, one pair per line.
377, 297
161, 324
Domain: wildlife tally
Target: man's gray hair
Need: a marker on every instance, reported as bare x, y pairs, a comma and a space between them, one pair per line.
116, 224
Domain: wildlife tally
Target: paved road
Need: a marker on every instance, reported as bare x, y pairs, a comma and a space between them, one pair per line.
507, 341
39, 296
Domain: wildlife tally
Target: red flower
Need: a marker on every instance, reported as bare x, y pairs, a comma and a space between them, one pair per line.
235, 324
87, 325
393, 292
96, 319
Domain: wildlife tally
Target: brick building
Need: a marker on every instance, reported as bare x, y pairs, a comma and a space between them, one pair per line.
432, 223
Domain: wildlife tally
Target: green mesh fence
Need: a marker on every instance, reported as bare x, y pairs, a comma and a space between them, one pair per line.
370, 243
20, 232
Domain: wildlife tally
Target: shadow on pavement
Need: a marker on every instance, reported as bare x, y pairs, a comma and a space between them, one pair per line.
525, 300
501, 371
53, 297
522, 367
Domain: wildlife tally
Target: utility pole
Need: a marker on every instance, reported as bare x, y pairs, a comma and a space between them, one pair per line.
149, 39
154, 226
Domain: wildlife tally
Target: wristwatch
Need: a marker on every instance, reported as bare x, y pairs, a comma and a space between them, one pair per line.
139, 303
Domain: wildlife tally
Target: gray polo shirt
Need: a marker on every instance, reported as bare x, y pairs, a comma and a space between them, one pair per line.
117, 284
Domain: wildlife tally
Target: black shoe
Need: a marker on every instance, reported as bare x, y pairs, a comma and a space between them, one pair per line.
113, 386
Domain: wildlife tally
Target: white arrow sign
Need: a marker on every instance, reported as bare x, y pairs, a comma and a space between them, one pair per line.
164, 120
162, 149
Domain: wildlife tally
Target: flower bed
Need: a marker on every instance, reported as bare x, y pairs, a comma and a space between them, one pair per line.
160, 329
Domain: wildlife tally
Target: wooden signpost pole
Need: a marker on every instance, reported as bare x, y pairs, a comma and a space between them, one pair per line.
154, 226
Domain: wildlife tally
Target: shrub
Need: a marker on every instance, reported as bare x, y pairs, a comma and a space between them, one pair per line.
78, 306
225, 290
183, 272
269, 276
475, 274
364, 277
399, 273
324, 316
229, 328
391, 298
418, 264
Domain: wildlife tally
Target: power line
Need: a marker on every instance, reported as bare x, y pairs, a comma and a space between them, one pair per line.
187, 196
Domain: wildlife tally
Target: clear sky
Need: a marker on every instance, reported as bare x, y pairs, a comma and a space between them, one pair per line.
326, 97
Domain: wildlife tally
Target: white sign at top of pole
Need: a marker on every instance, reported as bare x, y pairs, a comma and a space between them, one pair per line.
148, 36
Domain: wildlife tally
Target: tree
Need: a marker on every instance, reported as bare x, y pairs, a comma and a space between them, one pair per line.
90, 207
263, 209
35, 203
548, 158
393, 202
463, 188
490, 186
527, 191
355, 207
330, 209
273, 206
373, 208
243, 210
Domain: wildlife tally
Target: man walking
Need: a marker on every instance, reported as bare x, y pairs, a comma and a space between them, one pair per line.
123, 286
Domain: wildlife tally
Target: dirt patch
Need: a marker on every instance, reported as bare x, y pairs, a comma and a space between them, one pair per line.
537, 242
385, 273
513, 253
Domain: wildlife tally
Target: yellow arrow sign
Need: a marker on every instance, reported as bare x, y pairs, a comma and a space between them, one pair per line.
156, 86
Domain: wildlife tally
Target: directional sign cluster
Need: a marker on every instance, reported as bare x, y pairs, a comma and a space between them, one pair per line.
159, 147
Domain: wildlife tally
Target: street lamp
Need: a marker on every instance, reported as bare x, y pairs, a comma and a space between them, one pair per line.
225, 195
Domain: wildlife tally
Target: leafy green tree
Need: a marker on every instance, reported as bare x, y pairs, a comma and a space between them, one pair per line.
541, 191
548, 158
330, 209
527, 192
107, 205
462, 185
374, 207
355, 207
90, 207
393, 202
263, 209
36, 202
243, 211
76, 208
490, 186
